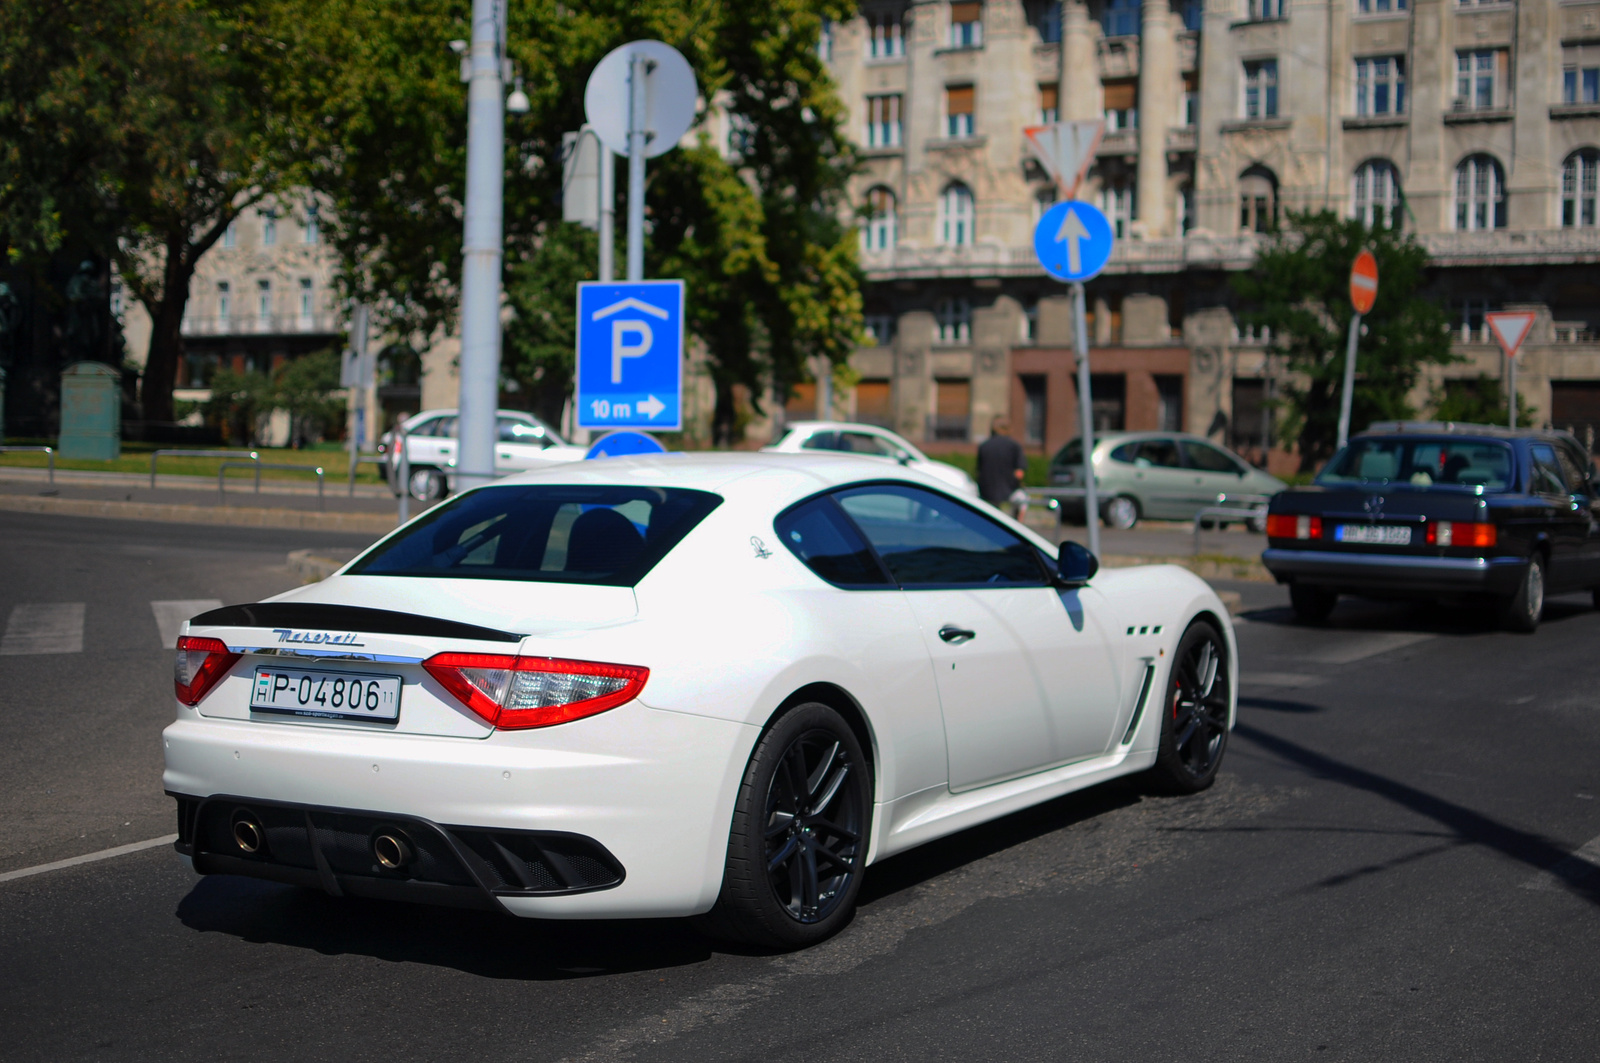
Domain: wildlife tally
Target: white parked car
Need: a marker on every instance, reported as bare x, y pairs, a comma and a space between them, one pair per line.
523, 442
868, 439
715, 685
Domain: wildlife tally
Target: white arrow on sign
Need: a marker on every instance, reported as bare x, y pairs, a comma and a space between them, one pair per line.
650, 407
1073, 232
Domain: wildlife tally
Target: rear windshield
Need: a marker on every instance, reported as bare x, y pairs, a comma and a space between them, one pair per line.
544, 534
1474, 463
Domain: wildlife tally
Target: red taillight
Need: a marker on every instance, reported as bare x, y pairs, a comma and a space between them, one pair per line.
1461, 533
1291, 526
515, 693
200, 665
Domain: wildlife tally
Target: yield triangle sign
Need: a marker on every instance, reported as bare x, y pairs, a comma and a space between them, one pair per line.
1510, 327
1065, 149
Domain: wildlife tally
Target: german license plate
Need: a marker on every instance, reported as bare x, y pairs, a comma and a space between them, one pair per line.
328, 695
1379, 534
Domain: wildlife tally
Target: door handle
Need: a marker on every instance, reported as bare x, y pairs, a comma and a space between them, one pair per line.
956, 635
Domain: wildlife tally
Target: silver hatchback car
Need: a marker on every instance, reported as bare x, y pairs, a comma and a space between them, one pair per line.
1161, 476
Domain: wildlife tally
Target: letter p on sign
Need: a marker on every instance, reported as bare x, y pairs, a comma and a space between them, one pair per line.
621, 349
1364, 282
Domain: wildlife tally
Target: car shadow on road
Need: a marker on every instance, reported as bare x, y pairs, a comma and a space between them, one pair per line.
1429, 617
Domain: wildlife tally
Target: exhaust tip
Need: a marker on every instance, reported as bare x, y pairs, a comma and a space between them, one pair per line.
392, 850
247, 834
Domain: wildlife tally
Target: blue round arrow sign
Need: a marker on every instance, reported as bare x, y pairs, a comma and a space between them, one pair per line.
618, 444
1073, 241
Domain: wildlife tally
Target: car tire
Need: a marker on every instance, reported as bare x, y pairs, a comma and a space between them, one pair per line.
427, 485
1522, 611
1258, 525
1311, 604
1596, 593
1120, 513
795, 862
1194, 713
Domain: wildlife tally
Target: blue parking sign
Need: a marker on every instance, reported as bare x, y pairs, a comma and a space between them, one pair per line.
1073, 240
630, 355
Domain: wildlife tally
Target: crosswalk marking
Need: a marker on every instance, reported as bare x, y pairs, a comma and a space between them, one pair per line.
48, 627
171, 615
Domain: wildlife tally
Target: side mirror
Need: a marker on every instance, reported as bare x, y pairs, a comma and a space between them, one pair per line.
1075, 565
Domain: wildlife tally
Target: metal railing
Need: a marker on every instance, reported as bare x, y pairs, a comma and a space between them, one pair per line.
258, 465
180, 452
1248, 508
49, 452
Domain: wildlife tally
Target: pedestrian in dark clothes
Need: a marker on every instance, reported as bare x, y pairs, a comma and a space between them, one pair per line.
1001, 467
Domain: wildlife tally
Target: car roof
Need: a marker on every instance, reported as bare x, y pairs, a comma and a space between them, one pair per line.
1458, 428
840, 426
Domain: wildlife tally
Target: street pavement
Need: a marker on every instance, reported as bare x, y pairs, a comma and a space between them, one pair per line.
1385, 869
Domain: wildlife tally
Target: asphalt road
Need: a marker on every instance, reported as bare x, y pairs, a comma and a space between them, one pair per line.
1383, 871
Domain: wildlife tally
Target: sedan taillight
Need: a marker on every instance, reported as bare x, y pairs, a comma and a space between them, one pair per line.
515, 693
1461, 533
200, 665
1291, 526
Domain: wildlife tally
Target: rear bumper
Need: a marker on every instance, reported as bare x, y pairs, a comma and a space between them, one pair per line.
1381, 573
652, 789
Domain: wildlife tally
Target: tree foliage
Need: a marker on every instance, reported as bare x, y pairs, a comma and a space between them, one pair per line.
1299, 288
1480, 400
537, 358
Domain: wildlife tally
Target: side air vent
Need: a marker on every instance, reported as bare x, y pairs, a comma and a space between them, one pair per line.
1138, 706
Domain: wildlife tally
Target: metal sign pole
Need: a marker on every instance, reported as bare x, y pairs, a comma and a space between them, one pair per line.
638, 71
1346, 399
608, 213
1080, 338
1511, 398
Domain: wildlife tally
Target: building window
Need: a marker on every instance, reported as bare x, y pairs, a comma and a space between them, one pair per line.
1381, 85
230, 235
1169, 402
881, 223
885, 35
1186, 207
952, 404
1473, 326
959, 102
1049, 102
1194, 15
966, 25
1261, 89
1117, 202
306, 304
224, 301
1121, 104
1375, 194
1108, 394
264, 300
1033, 408
1045, 18
1043, 200
1379, 7
1189, 112
1580, 74
1480, 79
269, 228
825, 41
955, 321
880, 327
883, 121
956, 221
1480, 194
1578, 175
1265, 10
1258, 201
311, 234
1120, 18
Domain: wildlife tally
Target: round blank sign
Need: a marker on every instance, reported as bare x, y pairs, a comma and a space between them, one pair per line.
669, 97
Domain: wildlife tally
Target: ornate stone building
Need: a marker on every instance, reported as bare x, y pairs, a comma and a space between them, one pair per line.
1476, 125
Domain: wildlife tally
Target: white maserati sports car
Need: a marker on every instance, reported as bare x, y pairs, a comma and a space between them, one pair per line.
681, 685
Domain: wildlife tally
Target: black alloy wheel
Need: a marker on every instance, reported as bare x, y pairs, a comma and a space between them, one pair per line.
799, 839
1194, 720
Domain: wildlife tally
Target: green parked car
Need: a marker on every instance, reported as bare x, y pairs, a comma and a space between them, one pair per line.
1161, 476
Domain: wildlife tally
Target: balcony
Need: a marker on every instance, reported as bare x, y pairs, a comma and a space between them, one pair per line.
1514, 247
322, 322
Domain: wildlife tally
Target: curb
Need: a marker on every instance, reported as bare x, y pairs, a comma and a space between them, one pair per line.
1236, 568
233, 516
311, 567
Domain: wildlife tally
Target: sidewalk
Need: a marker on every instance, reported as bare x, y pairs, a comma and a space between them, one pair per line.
1234, 554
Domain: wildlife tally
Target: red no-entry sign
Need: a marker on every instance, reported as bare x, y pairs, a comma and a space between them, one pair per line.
1364, 282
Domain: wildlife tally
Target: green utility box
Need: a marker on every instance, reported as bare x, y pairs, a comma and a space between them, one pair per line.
91, 411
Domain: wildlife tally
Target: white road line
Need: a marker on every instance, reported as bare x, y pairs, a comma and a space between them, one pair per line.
49, 627
89, 858
1581, 868
1359, 647
1280, 679
171, 615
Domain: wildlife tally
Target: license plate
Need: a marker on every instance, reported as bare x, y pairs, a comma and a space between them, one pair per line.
328, 695
1380, 534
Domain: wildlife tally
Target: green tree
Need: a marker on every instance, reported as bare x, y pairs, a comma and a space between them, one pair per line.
536, 359
1299, 288
238, 402
1480, 400
307, 389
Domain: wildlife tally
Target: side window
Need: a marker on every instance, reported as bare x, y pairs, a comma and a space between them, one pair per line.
445, 428
821, 536
1125, 453
1546, 471
514, 431
862, 443
821, 441
928, 540
1577, 476
1208, 458
1161, 452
